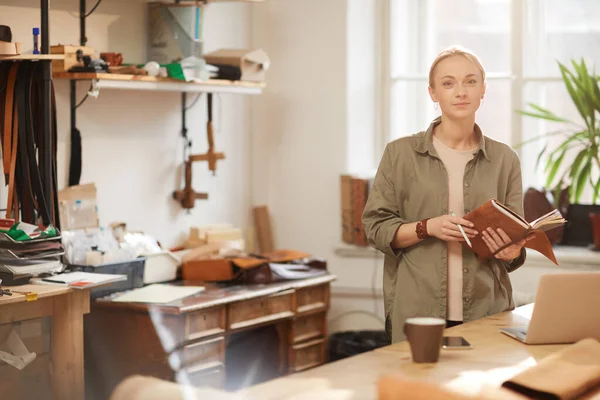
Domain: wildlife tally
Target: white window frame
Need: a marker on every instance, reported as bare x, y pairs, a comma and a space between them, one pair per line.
518, 80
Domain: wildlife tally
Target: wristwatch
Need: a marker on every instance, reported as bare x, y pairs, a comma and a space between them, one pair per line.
421, 229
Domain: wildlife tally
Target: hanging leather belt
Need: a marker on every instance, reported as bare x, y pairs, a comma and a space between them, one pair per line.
21, 139
10, 137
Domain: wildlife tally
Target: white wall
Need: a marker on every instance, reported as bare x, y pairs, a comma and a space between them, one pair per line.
317, 113
132, 148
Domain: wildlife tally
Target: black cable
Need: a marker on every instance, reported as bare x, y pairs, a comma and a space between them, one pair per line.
85, 97
93, 8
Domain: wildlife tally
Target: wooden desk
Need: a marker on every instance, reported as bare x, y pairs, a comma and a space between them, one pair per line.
494, 358
66, 307
185, 341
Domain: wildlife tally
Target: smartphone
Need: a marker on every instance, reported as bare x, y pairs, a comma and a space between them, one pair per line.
455, 342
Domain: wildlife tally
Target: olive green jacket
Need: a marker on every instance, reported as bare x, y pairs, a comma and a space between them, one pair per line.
412, 184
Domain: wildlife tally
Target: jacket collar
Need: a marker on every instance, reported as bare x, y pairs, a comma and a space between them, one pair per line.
425, 140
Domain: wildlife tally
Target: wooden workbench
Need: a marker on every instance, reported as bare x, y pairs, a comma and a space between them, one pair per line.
191, 340
66, 308
493, 359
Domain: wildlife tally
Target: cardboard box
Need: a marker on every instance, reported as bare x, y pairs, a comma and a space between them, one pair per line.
77, 207
10, 49
252, 63
161, 267
70, 53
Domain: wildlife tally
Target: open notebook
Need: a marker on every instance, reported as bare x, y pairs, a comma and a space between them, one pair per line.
548, 221
494, 214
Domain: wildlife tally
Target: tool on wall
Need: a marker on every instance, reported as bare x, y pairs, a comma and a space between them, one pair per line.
187, 196
211, 156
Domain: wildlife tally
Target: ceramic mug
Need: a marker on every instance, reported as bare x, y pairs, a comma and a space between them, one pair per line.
425, 337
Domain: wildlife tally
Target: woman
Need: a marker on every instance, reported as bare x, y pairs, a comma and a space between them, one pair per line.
424, 185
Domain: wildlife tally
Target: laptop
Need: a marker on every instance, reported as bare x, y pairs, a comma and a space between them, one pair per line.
566, 309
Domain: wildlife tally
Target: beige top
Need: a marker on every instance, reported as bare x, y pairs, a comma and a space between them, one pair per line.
455, 162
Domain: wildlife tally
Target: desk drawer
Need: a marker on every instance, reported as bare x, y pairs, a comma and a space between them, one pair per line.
198, 354
308, 327
312, 298
307, 355
203, 323
212, 376
257, 311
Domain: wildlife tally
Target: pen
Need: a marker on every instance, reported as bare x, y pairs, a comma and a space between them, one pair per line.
460, 228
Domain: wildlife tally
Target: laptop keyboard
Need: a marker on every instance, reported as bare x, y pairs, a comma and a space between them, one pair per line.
520, 333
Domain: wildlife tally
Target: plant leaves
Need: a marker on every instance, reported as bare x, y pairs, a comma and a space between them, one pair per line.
581, 108
539, 157
581, 163
586, 90
596, 191
548, 113
576, 164
582, 179
563, 147
555, 166
545, 135
548, 117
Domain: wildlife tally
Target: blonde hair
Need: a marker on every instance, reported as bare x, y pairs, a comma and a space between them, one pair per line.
455, 51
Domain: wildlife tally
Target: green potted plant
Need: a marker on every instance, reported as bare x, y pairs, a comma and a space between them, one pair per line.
577, 153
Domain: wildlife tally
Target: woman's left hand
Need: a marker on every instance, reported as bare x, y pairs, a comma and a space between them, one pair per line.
498, 238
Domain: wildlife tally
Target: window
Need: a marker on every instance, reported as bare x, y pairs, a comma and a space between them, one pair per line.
518, 41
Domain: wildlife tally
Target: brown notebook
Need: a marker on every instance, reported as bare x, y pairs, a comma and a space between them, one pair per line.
494, 214
567, 374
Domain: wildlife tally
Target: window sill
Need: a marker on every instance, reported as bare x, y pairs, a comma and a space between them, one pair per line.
567, 257
352, 251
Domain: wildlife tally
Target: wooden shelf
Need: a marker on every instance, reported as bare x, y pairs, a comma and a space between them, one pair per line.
33, 57
206, 1
142, 82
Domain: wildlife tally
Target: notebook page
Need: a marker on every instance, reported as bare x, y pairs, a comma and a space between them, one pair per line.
509, 213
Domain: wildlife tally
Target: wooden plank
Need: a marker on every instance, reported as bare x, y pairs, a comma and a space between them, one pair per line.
67, 345
14, 312
41, 290
262, 225
33, 57
155, 79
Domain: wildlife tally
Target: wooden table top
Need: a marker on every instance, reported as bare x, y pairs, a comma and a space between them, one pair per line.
41, 290
493, 359
215, 295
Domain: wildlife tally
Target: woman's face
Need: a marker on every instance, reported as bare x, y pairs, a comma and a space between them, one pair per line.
458, 87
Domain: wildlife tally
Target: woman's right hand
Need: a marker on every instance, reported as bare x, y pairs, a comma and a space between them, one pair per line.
445, 227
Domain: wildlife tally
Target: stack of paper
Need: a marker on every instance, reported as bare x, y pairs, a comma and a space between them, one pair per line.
159, 293
82, 280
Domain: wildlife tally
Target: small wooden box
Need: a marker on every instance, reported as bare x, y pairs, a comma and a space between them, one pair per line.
70, 52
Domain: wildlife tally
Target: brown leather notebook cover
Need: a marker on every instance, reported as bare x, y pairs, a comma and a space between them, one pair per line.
566, 374
495, 215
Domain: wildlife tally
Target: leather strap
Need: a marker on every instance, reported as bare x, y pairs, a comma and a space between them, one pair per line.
20, 121
421, 229
28, 125
10, 140
4, 71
